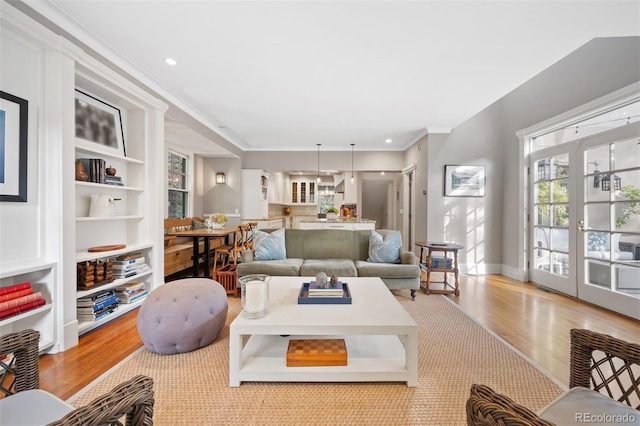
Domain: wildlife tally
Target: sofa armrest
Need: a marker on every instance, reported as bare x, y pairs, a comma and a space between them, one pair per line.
408, 257
246, 256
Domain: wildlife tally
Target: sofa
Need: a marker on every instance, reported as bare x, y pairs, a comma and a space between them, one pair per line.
343, 253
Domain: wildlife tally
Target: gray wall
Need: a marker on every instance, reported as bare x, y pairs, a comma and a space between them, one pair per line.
488, 227
217, 197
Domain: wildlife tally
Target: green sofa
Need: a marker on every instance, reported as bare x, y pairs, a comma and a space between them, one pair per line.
337, 252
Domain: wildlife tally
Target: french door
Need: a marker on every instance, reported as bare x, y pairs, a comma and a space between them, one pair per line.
585, 222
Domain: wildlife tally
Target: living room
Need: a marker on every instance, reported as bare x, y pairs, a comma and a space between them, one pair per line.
46, 68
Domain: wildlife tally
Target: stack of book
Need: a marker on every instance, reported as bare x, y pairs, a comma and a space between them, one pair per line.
129, 265
18, 298
441, 263
130, 292
113, 180
95, 168
97, 306
315, 291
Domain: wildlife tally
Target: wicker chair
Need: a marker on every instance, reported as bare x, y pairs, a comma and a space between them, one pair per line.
132, 400
604, 378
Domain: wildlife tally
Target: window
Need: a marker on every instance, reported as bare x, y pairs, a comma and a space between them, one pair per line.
177, 185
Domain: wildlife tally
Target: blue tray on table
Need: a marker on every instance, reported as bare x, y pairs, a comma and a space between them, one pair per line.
304, 299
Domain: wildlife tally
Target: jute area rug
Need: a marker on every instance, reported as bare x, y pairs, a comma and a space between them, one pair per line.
454, 352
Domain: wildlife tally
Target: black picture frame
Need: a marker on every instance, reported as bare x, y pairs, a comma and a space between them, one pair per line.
464, 181
14, 125
99, 123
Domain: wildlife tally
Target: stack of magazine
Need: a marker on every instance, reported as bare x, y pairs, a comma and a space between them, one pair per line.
128, 265
130, 292
97, 306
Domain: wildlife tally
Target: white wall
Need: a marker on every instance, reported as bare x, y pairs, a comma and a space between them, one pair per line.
22, 236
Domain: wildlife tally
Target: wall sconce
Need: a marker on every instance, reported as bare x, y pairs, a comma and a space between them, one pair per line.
221, 178
605, 183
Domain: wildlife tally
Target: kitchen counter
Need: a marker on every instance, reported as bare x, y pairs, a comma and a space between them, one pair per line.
339, 220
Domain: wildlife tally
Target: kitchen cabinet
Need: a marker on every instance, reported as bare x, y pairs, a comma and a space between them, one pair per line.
304, 192
279, 188
271, 224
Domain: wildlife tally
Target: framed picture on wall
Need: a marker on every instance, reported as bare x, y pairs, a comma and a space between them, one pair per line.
14, 117
464, 181
100, 123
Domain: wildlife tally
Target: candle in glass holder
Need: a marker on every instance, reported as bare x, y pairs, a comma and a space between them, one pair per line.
255, 297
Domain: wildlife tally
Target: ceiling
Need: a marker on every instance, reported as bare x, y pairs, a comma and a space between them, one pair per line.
288, 75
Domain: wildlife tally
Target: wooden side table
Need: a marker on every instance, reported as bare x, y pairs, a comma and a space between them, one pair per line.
427, 266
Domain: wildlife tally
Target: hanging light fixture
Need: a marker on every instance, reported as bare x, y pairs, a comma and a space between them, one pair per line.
318, 178
352, 179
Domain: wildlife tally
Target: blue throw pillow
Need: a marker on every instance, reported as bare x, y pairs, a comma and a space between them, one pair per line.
269, 246
384, 250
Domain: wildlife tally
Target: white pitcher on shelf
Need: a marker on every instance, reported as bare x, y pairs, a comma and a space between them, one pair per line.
102, 205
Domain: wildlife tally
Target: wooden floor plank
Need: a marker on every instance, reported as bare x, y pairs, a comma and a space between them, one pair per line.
536, 322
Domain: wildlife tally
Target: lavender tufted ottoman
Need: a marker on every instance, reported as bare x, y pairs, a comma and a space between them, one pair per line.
183, 315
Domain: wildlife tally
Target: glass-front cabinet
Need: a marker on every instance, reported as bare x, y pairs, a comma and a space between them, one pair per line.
303, 192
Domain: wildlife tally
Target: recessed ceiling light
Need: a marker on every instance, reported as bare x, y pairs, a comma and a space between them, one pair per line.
171, 61
388, 140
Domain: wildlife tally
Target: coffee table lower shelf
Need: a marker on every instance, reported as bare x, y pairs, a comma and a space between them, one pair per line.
371, 358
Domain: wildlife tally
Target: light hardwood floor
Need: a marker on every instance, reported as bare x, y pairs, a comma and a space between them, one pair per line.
536, 322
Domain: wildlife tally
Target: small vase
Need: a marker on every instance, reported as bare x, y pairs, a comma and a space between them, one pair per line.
332, 216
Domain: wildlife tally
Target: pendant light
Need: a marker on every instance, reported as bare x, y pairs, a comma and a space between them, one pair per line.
318, 177
352, 179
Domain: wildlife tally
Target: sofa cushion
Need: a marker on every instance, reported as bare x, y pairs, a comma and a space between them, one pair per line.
269, 246
197, 225
581, 405
337, 267
387, 270
384, 249
286, 267
597, 241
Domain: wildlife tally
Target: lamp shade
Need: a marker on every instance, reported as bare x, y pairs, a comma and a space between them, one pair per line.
221, 178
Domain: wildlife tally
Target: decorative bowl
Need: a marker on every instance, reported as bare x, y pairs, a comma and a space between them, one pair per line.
332, 216
217, 225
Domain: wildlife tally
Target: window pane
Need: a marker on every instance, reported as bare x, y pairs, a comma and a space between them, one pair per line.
177, 203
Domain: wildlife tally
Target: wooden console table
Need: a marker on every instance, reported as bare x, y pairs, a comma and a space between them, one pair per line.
426, 265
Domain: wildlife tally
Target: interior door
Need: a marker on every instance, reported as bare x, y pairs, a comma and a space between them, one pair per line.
552, 242
609, 221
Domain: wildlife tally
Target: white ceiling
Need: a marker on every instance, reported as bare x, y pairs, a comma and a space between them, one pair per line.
289, 75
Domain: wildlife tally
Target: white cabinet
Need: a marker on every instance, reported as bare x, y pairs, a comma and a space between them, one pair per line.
271, 224
279, 188
304, 192
255, 194
364, 225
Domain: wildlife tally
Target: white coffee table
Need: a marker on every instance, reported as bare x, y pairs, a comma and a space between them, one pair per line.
371, 327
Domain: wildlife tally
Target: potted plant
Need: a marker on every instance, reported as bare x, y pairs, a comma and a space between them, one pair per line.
332, 213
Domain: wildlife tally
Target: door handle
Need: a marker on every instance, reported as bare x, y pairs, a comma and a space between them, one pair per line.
581, 226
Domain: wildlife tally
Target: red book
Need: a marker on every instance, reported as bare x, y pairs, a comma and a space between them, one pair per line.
22, 308
15, 295
20, 301
15, 287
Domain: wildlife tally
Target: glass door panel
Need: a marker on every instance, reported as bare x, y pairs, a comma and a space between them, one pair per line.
551, 238
610, 205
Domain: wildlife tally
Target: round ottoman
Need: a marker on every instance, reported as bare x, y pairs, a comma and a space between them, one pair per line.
183, 315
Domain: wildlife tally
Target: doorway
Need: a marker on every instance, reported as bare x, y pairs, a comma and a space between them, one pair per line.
584, 221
